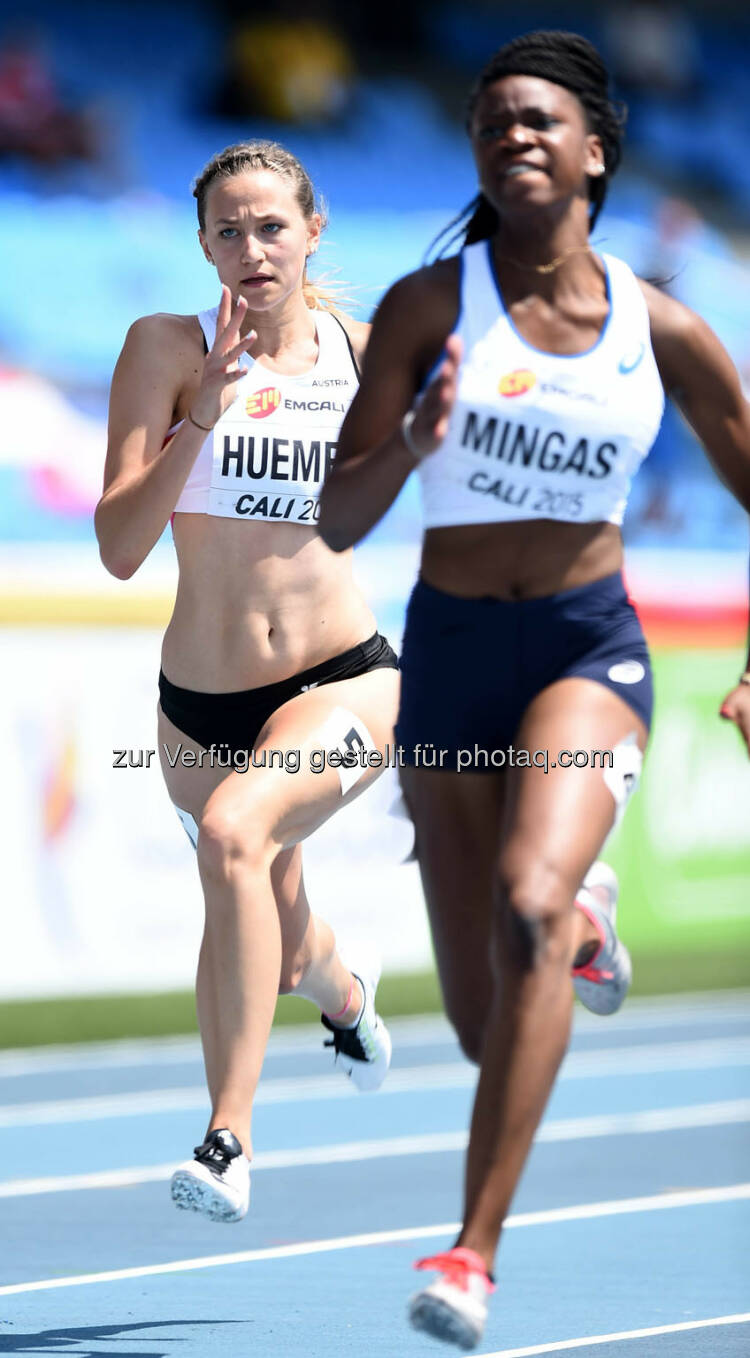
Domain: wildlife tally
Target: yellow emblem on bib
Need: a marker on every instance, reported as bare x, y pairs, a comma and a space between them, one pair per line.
517, 382
263, 402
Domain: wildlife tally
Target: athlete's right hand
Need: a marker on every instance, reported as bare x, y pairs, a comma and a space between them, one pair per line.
432, 415
221, 366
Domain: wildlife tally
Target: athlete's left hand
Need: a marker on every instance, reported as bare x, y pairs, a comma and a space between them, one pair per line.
736, 708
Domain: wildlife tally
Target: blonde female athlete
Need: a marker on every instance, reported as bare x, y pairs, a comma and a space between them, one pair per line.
227, 421
519, 633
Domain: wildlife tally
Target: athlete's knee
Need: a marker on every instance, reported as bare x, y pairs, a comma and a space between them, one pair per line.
468, 1019
231, 840
470, 1034
534, 912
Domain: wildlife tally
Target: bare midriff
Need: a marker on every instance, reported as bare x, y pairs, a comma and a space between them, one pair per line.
526, 559
257, 603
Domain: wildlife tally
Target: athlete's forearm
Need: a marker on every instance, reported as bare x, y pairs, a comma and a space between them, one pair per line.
131, 517
358, 492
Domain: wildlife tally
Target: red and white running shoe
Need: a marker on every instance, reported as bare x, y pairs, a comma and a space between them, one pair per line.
454, 1307
602, 983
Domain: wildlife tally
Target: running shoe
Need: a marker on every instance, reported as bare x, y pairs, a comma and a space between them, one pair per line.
217, 1181
454, 1307
363, 1051
602, 983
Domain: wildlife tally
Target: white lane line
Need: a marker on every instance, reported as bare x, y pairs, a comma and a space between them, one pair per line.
646, 1012
564, 1344
710, 1053
701, 1197
563, 1129
420, 1030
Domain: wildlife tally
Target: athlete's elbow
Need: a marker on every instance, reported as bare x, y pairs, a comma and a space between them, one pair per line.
332, 526
123, 568
335, 536
112, 554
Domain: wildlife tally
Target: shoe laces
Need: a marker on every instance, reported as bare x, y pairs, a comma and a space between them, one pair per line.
217, 1154
457, 1266
595, 974
346, 1040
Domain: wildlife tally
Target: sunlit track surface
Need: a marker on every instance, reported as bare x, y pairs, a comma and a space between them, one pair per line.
634, 1208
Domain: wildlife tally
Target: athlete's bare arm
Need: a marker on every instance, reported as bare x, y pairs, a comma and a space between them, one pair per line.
373, 460
162, 360
701, 378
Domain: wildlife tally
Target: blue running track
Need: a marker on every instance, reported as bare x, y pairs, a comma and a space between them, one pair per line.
630, 1233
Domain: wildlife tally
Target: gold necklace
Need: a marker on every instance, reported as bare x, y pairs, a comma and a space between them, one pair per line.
553, 264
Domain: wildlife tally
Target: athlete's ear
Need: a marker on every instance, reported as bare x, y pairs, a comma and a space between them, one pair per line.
314, 228
594, 157
205, 248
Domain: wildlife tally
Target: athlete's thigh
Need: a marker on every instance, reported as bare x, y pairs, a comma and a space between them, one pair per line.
190, 788
189, 784
457, 819
560, 819
317, 752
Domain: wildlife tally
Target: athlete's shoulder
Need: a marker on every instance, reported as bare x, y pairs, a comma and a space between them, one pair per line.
167, 346
673, 325
668, 316
433, 284
149, 332
684, 344
422, 305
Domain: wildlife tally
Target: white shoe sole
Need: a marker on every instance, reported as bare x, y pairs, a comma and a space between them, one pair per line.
606, 997
432, 1315
192, 1194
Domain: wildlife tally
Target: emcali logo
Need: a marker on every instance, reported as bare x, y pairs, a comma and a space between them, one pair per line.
263, 402
516, 383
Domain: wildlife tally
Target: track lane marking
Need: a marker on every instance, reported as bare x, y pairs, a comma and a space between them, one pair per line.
700, 1197
565, 1344
563, 1129
709, 1053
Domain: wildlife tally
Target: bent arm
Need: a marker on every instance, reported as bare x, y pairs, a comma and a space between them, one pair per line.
143, 477
700, 377
374, 459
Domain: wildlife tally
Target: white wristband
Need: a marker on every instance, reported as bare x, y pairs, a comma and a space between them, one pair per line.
406, 425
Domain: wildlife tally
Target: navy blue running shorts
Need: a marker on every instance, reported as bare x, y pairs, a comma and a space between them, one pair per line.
471, 667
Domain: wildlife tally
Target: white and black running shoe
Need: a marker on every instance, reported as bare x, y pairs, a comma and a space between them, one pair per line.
363, 1051
217, 1181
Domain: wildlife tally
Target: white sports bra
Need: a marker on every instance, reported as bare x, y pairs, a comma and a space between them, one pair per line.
267, 457
535, 435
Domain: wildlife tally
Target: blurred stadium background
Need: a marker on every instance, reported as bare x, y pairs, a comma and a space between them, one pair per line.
107, 111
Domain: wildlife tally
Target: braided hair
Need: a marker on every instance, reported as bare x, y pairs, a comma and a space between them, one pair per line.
565, 59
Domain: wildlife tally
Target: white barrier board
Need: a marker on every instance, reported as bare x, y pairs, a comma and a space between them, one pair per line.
100, 883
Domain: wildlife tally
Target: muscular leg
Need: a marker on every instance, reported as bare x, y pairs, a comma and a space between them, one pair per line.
247, 824
555, 827
457, 819
310, 964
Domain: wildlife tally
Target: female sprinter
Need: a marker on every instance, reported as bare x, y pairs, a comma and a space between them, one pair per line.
229, 420
519, 633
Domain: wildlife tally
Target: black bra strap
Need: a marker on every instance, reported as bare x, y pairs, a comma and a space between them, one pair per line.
355, 364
